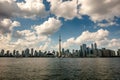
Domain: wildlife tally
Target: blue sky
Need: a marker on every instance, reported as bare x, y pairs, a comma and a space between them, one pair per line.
38, 24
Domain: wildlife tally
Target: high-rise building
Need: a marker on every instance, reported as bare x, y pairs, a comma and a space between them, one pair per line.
17, 54
2, 52
63, 51
84, 50
81, 54
14, 53
92, 46
23, 53
118, 52
88, 51
95, 46
32, 51
8, 53
27, 52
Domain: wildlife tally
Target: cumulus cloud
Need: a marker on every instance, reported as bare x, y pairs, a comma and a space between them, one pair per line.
5, 42
99, 10
8, 8
32, 9
27, 34
26, 9
114, 43
92, 36
7, 25
95, 9
107, 24
46, 45
66, 9
48, 27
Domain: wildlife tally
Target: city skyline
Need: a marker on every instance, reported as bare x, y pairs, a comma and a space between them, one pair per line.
83, 51
38, 24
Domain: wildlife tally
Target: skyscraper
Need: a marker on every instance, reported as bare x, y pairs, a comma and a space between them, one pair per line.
27, 52
95, 46
92, 46
32, 51
84, 50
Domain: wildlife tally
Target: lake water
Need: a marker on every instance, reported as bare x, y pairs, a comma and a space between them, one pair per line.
59, 68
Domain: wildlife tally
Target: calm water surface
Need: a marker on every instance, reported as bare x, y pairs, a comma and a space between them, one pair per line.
59, 68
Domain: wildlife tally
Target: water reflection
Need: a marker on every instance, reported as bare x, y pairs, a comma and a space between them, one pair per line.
59, 68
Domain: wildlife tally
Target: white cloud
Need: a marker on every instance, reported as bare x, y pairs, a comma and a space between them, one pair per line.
8, 8
48, 27
99, 10
92, 36
5, 42
45, 46
65, 9
7, 25
114, 43
32, 8
27, 34
27, 9
68, 43
107, 24
95, 9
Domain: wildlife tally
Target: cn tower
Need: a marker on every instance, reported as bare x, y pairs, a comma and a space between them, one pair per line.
59, 46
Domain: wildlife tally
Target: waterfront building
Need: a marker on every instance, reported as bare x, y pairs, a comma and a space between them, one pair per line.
118, 52
84, 50
99, 53
63, 52
75, 53
49, 54
95, 46
2, 52
17, 54
81, 53
107, 53
36, 54
23, 53
91, 49
27, 53
7, 53
88, 52
32, 51
92, 46
67, 53
14, 53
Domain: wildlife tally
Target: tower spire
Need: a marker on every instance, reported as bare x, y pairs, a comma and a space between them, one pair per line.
59, 45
